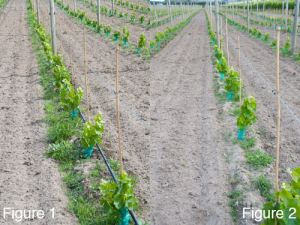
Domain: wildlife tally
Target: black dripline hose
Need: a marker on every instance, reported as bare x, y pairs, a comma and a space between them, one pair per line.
111, 172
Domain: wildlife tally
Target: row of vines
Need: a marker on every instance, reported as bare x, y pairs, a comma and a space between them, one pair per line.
72, 140
288, 198
105, 30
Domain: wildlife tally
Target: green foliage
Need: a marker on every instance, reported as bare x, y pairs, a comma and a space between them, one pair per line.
81, 15
232, 82
266, 37
142, 18
132, 17
100, 27
63, 151
274, 42
107, 29
287, 44
257, 159
248, 143
247, 116
142, 41
218, 52
117, 196
255, 31
94, 23
92, 134
289, 197
159, 36
152, 44
126, 34
69, 97
117, 33
264, 186
259, 34
61, 75
63, 129
223, 67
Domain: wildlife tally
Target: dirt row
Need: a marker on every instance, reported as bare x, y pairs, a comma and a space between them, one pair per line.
134, 89
28, 180
188, 171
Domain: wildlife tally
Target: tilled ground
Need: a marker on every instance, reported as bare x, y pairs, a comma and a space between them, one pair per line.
188, 171
28, 180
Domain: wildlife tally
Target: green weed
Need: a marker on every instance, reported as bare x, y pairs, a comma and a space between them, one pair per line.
257, 159
247, 143
264, 186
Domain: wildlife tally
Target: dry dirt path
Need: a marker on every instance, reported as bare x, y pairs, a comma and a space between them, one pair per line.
28, 180
188, 171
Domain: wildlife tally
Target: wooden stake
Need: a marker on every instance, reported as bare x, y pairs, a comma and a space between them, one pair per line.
221, 32
118, 115
72, 74
60, 36
85, 73
227, 44
240, 73
278, 110
53, 35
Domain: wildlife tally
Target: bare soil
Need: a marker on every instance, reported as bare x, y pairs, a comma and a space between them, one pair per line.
188, 171
28, 180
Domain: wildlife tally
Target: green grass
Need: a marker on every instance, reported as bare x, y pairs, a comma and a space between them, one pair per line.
248, 143
236, 197
258, 159
264, 186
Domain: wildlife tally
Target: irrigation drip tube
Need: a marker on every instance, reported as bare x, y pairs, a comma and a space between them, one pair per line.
273, 91
111, 172
103, 81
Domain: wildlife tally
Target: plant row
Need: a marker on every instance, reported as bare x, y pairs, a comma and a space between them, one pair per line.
62, 106
119, 14
165, 20
274, 5
105, 30
107, 12
256, 33
161, 37
288, 198
232, 86
165, 11
269, 22
132, 6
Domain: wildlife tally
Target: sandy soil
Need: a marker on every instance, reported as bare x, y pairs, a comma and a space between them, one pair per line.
28, 180
264, 59
134, 86
188, 172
